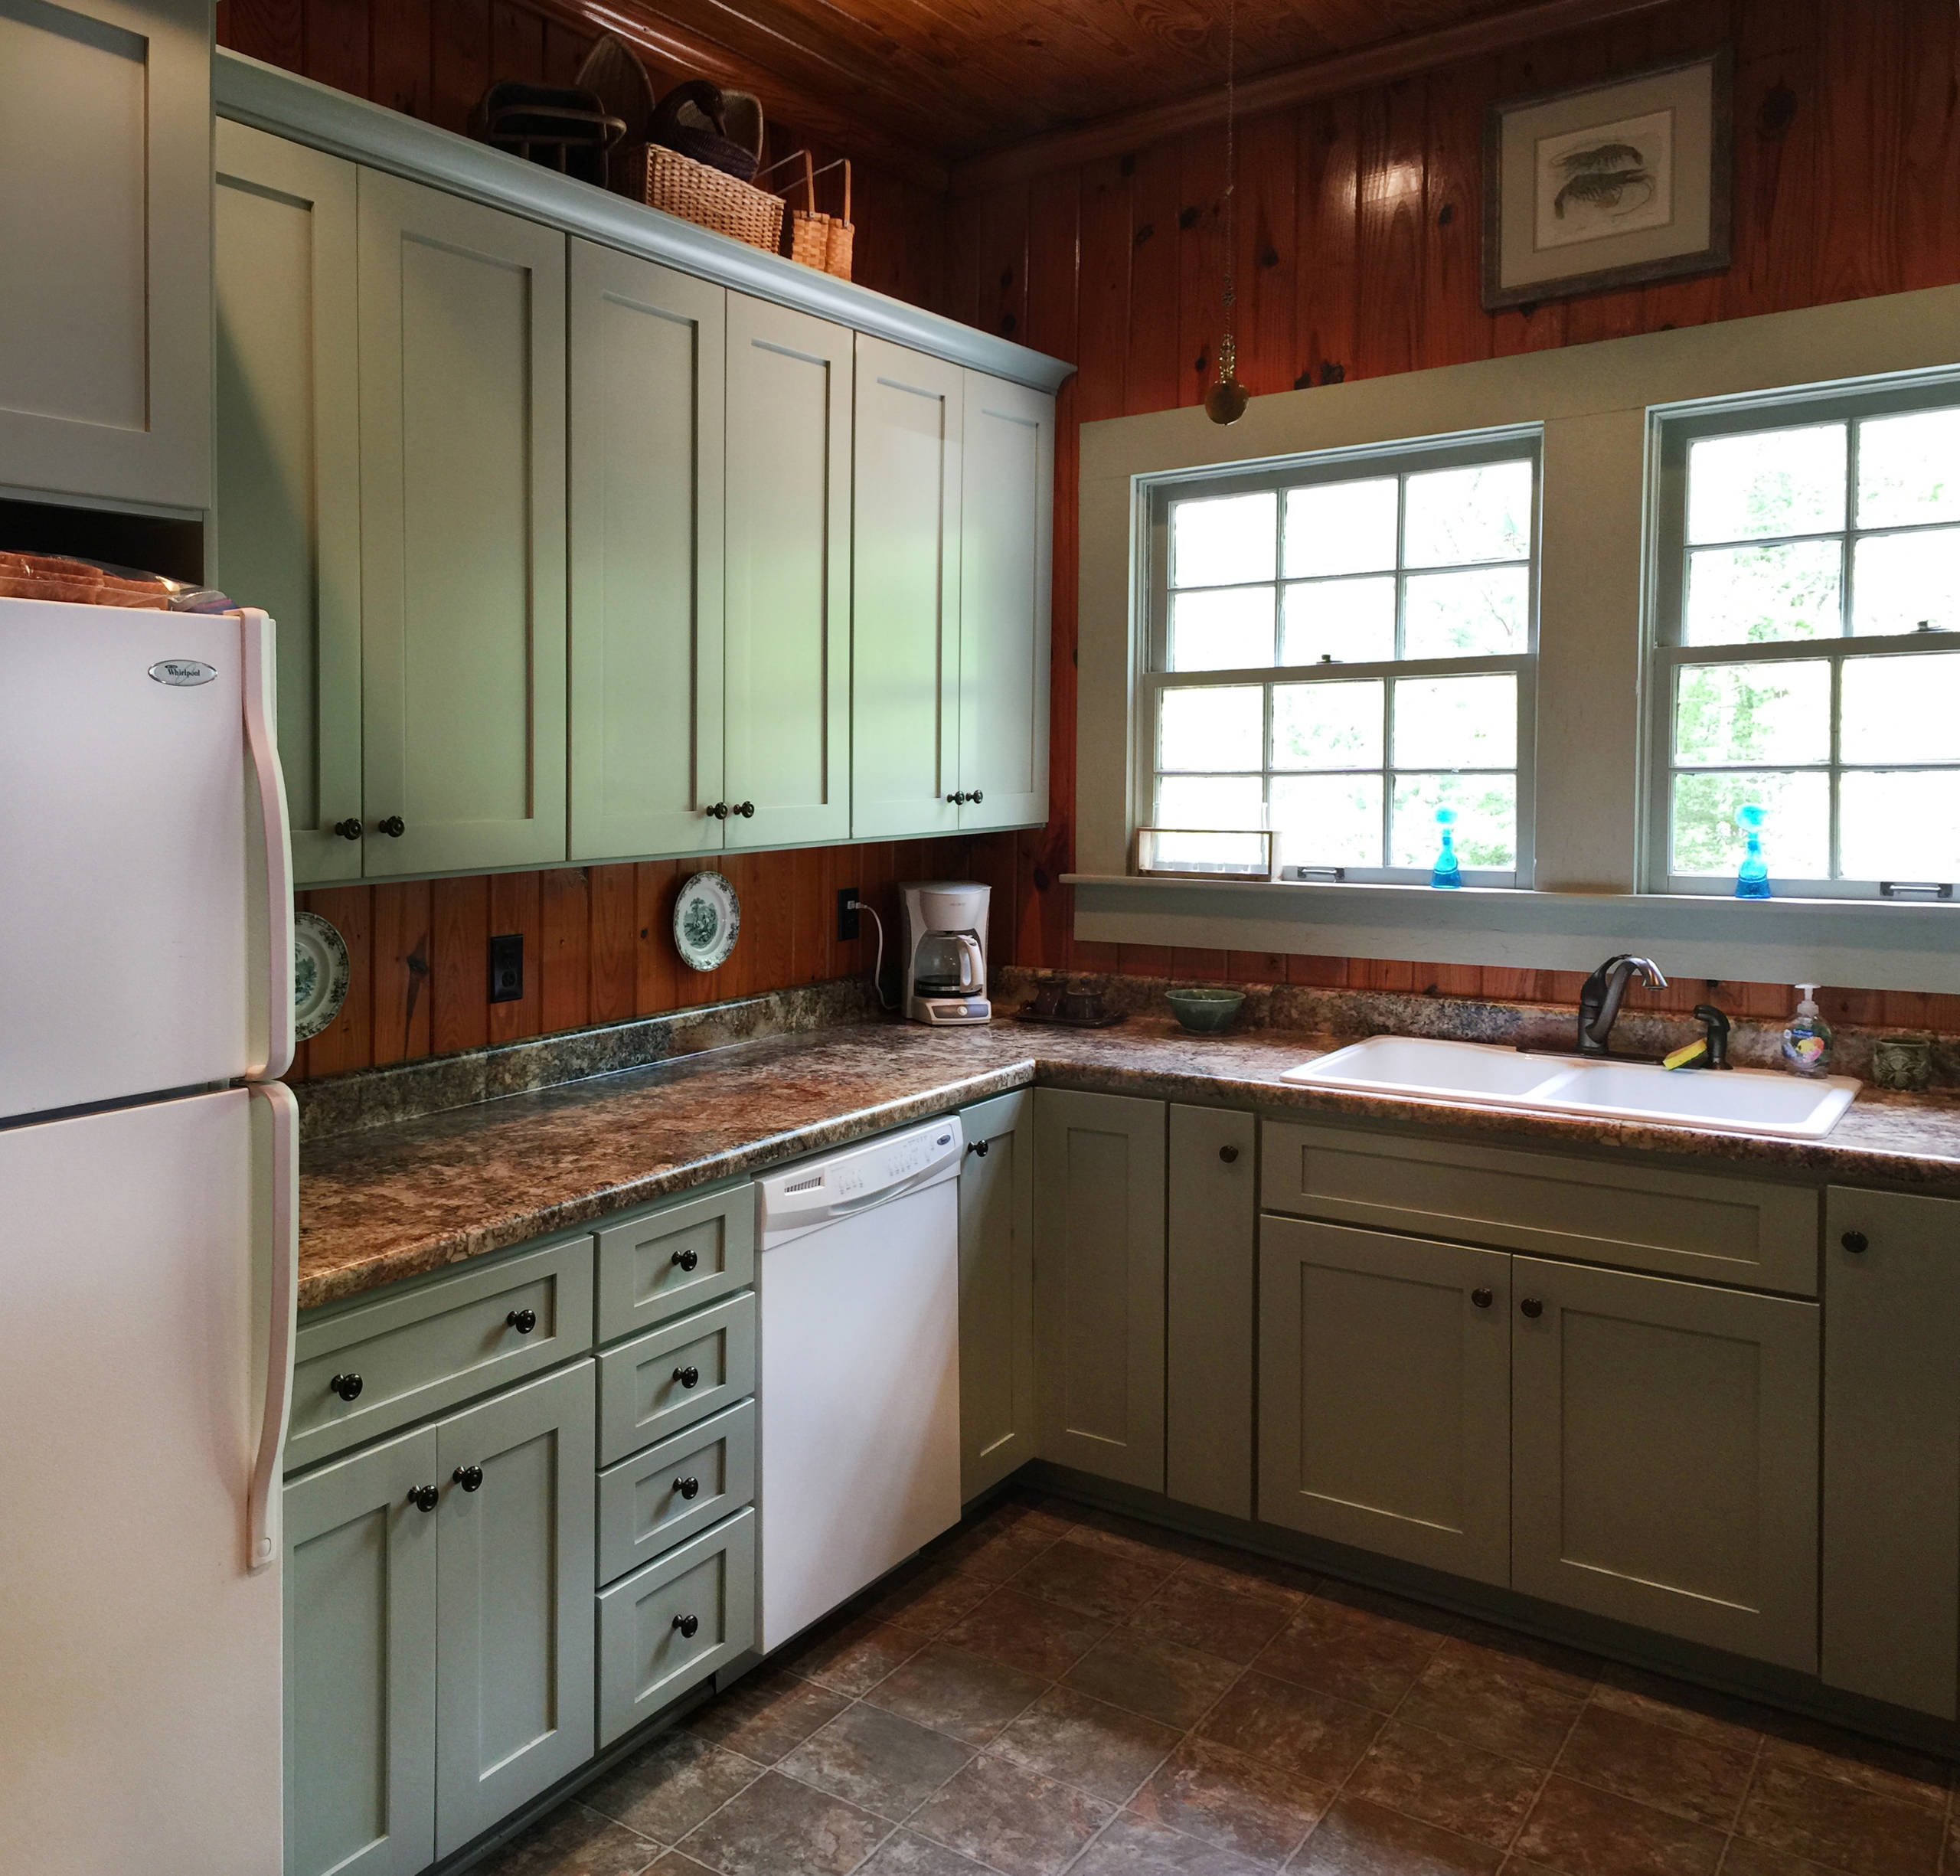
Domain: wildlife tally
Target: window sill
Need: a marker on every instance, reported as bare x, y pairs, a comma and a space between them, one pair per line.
1852, 943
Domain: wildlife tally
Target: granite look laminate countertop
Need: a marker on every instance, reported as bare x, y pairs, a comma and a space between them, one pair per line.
401, 1200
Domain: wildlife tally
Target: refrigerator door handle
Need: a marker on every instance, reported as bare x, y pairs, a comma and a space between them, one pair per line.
282, 1112
262, 743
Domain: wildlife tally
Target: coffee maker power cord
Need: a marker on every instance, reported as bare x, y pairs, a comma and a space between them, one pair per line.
878, 969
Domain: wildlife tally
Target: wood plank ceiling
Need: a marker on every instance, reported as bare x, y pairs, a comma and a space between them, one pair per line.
956, 78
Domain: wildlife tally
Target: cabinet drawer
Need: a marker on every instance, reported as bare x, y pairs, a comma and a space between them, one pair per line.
642, 1508
442, 1342
657, 1263
644, 1394
646, 1658
1689, 1225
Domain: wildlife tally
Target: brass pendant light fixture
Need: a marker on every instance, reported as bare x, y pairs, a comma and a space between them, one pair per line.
1225, 401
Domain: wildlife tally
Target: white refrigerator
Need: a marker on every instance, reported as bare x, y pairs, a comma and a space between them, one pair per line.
148, 1183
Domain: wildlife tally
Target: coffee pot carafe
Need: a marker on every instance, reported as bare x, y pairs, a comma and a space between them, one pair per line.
944, 957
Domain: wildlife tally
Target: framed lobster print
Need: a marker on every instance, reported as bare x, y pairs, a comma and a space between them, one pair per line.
1608, 185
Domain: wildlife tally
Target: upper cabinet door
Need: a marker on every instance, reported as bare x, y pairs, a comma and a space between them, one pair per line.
105, 223
905, 593
288, 536
648, 366
1007, 541
463, 529
788, 657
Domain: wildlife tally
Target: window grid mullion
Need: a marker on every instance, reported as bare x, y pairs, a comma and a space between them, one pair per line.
1387, 770
1836, 861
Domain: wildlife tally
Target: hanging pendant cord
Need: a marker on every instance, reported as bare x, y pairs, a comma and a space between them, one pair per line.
1228, 351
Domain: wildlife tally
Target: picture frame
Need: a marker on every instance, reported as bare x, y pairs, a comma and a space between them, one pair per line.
1608, 185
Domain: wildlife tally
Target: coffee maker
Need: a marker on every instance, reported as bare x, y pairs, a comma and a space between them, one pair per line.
945, 952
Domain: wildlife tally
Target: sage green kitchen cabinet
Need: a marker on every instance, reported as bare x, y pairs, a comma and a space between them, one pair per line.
1891, 1552
1211, 1226
905, 616
462, 533
1664, 1457
787, 531
1099, 1278
999, 1417
287, 533
1385, 1394
360, 1626
649, 361
106, 225
514, 1663
1007, 542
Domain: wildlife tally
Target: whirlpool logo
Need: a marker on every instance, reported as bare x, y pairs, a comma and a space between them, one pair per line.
182, 673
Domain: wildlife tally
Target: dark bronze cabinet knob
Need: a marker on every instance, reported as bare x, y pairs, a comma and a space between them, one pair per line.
1856, 1242
423, 1497
976, 798
689, 1626
687, 1488
957, 797
1228, 1154
977, 1148
687, 1376
1532, 1307
686, 1259
1483, 1299
747, 809
716, 811
347, 829
347, 1386
523, 1321
394, 826
469, 1477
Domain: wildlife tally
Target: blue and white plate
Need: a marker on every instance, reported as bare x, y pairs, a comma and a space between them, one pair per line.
321, 969
706, 917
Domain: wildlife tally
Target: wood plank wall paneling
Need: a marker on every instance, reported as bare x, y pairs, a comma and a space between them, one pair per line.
599, 943
1358, 254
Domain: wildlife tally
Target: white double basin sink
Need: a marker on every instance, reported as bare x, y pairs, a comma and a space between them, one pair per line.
1741, 1100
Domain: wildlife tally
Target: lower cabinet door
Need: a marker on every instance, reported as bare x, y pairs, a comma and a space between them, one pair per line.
999, 1429
667, 1627
513, 1654
360, 1664
1099, 1277
1384, 1416
1212, 1224
1664, 1446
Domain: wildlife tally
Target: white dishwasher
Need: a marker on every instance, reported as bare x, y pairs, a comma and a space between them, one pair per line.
859, 1383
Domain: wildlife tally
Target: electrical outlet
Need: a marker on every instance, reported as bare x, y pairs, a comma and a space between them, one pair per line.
507, 968
847, 920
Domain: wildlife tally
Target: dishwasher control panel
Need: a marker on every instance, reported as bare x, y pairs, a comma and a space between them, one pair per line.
805, 1197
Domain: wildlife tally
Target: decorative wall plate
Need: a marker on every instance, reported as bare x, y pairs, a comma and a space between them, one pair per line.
706, 917
321, 969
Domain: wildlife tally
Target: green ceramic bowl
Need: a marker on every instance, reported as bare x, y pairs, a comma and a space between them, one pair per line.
1205, 1011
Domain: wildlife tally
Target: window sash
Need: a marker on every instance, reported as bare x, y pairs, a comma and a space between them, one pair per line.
1521, 664
1152, 678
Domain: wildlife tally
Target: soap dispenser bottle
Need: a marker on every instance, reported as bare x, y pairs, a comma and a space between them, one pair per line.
1447, 874
1807, 1038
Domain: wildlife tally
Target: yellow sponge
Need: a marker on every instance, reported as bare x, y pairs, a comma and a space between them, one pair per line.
1687, 1056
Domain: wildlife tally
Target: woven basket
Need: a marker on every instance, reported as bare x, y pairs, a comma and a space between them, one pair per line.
818, 240
665, 179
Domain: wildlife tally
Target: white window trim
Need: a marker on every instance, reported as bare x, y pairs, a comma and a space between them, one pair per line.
1673, 428
1151, 678
1592, 404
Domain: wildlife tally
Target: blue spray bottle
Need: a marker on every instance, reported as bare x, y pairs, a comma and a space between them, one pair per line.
1446, 873
1753, 876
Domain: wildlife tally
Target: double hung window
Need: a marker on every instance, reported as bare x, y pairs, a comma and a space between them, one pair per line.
1338, 647
1806, 659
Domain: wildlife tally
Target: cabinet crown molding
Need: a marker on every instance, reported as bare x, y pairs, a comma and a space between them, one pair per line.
249, 92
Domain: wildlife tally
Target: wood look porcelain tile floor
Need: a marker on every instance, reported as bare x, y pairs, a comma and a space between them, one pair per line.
1055, 1692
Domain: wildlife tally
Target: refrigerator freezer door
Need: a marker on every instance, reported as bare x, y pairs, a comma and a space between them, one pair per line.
126, 960
139, 1656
